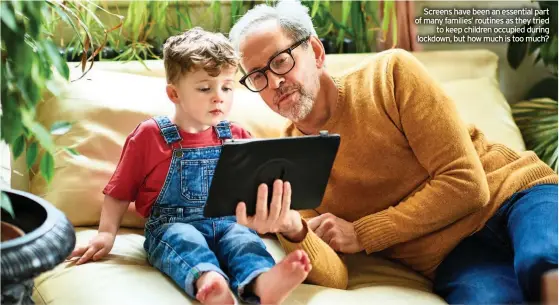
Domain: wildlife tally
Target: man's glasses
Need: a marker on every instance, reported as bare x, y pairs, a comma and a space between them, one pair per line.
280, 64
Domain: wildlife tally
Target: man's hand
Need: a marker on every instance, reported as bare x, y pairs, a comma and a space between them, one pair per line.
279, 218
336, 232
98, 247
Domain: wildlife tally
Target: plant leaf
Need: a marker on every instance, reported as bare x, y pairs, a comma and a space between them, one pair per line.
40, 133
185, 18
394, 22
32, 153
371, 9
216, 5
55, 58
387, 14
537, 120
315, 6
47, 167
60, 128
235, 10
72, 151
553, 48
346, 10
516, 51
545, 88
67, 19
8, 17
6, 204
18, 146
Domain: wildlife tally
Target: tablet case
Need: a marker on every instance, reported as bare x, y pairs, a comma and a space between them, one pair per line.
243, 165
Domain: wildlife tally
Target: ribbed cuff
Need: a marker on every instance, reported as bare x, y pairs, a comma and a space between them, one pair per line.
376, 232
538, 171
309, 244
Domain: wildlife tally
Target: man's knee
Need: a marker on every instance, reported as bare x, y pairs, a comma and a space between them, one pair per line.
531, 264
482, 294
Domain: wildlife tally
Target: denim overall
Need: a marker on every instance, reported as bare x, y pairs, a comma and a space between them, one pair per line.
181, 242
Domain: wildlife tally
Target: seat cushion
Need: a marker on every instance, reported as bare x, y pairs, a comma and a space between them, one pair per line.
480, 102
125, 277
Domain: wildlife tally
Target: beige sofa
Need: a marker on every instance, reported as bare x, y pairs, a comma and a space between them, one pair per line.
113, 98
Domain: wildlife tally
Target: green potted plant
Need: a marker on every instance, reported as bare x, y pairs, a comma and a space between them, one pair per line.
355, 32
536, 114
35, 235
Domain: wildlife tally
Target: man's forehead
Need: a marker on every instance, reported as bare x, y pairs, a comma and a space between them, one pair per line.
260, 44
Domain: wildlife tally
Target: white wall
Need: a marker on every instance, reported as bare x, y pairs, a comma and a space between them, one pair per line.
514, 83
5, 166
13, 173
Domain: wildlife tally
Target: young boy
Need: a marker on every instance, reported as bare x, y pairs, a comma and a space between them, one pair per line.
166, 167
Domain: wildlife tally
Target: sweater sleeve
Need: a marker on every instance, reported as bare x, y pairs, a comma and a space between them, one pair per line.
442, 145
328, 269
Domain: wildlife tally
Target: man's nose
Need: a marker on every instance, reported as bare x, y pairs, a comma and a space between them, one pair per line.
274, 80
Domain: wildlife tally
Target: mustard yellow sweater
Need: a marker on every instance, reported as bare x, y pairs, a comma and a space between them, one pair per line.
409, 174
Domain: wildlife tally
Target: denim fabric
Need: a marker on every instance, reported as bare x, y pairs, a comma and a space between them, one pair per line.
503, 263
181, 242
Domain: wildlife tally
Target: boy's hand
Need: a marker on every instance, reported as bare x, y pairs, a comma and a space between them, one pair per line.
279, 219
98, 247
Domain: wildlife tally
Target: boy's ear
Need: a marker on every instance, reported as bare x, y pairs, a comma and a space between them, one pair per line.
172, 93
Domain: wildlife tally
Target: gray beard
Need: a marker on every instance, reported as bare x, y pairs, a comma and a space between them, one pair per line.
300, 109
303, 107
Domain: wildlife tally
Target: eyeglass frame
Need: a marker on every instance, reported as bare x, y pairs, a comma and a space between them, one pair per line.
267, 67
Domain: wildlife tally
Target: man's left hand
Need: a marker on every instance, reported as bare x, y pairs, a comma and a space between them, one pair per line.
336, 232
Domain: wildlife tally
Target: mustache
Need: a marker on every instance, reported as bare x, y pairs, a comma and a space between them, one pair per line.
283, 90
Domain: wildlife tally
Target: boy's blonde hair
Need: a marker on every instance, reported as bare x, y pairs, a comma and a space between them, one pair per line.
197, 49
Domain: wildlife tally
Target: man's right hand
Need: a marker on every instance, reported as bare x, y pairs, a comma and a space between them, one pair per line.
98, 247
279, 218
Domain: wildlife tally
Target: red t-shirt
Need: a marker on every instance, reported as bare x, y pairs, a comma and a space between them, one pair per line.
145, 160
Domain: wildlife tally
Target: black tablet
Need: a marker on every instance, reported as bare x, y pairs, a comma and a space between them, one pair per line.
243, 165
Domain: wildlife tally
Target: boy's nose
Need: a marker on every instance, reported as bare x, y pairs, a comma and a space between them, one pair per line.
218, 98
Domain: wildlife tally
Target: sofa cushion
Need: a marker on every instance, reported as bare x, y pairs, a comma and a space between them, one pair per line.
105, 108
444, 66
114, 97
125, 277
481, 103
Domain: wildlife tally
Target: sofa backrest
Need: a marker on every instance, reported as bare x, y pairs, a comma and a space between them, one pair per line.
109, 102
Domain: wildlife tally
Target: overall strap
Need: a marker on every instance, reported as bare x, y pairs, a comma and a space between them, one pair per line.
169, 131
223, 130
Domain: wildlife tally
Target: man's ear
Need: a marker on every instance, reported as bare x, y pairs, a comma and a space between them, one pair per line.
172, 93
319, 53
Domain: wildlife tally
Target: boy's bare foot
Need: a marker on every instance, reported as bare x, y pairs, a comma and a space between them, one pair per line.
274, 286
213, 289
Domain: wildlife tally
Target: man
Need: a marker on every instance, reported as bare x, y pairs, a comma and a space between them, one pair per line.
410, 181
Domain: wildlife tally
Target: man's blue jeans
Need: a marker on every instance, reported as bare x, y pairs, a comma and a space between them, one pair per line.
503, 263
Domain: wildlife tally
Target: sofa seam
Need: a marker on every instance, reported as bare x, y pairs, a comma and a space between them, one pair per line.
39, 293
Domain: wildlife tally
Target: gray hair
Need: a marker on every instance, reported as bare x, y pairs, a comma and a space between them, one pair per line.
292, 16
